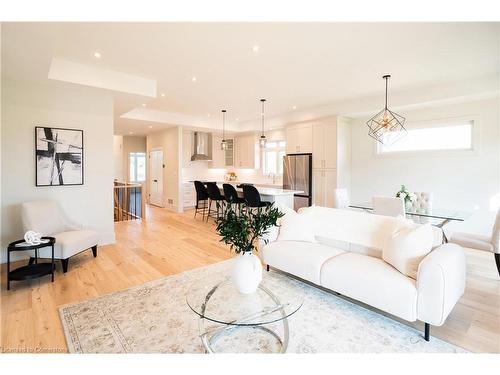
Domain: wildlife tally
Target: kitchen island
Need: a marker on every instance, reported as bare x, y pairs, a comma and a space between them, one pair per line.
277, 195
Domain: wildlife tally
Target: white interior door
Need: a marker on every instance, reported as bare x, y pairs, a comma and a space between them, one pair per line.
156, 178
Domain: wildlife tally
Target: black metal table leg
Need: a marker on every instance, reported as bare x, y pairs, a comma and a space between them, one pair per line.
8, 269
53, 265
427, 331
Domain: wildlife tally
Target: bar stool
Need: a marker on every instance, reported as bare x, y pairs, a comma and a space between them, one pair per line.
252, 197
214, 195
201, 196
232, 196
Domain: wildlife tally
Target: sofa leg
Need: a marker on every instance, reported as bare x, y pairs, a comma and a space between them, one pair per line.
267, 268
65, 263
94, 251
427, 332
497, 261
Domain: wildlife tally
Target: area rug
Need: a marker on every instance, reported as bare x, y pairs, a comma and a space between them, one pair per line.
155, 318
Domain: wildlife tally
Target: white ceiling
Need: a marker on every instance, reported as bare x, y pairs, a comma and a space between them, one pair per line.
306, 65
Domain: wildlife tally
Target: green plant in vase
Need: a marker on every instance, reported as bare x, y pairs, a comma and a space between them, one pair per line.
241, 230
407, 196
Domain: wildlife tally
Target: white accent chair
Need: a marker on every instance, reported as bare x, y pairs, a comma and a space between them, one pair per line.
474, 233
388, 206
340, 198
422, 204
46, 218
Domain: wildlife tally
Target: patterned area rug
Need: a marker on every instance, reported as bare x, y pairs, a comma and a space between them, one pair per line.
154, 318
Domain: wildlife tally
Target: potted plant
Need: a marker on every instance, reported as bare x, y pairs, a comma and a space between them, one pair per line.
241, 231
406, 195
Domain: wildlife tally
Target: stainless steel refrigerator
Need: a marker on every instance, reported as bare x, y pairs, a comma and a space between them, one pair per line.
297, 175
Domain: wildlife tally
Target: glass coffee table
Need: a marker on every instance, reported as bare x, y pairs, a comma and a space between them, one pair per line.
233, 322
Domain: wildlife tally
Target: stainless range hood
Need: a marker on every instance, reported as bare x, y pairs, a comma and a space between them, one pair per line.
202, 146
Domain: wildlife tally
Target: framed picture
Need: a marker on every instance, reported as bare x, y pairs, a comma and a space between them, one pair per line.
58, 156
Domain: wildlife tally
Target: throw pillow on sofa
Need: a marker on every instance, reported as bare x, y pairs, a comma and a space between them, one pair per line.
407, 246
295, 227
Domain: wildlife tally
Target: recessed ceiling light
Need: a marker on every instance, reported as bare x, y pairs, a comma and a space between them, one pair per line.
193, 79
255, 48
130, 133
208, 114
237, 119
151, 126
143, 104
97, 55
162, 94
294, 107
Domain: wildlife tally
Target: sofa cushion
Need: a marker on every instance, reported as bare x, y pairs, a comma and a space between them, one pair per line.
360, 228
372, 281
296, 227
70, 243
407, 246
299, 258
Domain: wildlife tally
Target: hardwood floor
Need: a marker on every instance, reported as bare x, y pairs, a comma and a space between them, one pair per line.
168, 243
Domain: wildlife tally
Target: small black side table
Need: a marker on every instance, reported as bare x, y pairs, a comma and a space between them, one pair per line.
32, 270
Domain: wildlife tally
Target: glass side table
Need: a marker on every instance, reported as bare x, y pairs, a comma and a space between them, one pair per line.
234, 313
33, 269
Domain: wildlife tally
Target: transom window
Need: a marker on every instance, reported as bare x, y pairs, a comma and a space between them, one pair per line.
449, 136
273, 157
137, 166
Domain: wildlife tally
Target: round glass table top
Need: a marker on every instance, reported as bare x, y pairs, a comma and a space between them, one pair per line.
222, 303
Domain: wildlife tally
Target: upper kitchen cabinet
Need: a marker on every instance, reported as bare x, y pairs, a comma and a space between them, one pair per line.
246, 151
187, 146
299, 138
324, 144
217, 154
222, 158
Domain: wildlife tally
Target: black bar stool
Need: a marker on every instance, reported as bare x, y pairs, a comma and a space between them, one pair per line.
252, 197
214, 195
201, 196
231, 196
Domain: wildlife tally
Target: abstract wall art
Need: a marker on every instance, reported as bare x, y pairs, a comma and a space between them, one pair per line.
59, 156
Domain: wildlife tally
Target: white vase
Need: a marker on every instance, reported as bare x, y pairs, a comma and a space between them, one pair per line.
246, 273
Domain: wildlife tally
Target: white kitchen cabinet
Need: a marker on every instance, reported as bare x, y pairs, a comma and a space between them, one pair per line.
299, 139
222, 158
324, 183
189, 195
317, 187
324, 145
246, 151
218, 155
186, 149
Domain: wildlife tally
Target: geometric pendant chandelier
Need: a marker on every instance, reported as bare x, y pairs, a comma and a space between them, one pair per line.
387, 126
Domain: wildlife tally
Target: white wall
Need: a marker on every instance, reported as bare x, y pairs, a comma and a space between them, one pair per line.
459, 180
25, 106
344, 146
118, 157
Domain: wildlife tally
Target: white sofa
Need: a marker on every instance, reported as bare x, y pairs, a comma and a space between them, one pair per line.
347, 258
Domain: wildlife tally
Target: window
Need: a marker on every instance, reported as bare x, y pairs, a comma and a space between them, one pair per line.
450, 136
137, 166
273, 157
